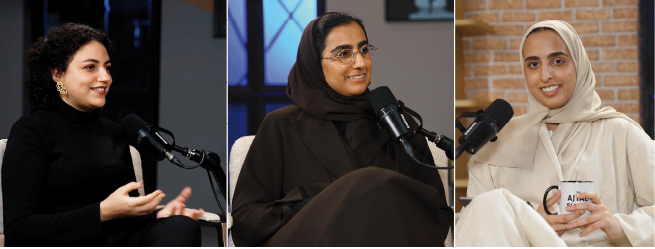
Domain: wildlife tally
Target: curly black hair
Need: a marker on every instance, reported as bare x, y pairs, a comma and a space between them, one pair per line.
56, 52
329, 22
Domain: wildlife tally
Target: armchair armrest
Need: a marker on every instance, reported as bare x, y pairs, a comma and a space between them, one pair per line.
209, 219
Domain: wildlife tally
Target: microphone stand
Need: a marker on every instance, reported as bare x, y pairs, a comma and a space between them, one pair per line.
211, 162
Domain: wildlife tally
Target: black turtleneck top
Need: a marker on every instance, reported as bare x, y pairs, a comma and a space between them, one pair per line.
58, 166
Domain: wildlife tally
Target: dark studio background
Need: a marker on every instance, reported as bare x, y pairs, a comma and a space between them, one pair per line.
168, 68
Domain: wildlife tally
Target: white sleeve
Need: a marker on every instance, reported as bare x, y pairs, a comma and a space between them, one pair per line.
638, 225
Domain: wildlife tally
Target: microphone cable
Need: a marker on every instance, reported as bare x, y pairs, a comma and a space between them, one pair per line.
410, 152
189, 153
215, 195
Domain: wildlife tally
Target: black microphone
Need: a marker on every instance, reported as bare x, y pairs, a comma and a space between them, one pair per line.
485, 127
145, 137
390, 117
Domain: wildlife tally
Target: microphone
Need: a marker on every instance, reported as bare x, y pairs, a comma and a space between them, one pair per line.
485, 127
391, 118
145, 137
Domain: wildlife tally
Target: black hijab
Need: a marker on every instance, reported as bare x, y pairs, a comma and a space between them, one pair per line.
308, 89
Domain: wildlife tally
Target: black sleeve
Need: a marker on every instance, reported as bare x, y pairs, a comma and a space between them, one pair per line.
28, 220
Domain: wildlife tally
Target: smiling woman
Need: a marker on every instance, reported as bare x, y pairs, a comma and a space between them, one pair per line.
347, 72
87, 78
67, 174
321, 172
566, 135
549, 69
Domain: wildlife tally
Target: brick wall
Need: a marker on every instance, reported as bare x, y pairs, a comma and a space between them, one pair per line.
608, 29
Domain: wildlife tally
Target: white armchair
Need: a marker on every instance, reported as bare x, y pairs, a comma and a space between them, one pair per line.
242, 145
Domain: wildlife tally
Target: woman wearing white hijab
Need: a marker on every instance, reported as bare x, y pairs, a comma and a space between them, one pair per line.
564, 136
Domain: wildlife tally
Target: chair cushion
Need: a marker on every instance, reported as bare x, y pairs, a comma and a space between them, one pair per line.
138, 169
3, 145
237, 157
441, 160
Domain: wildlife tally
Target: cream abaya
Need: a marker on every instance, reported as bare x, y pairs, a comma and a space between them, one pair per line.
591, 143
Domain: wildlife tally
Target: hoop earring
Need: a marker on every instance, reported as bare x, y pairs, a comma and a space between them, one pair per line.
61, 88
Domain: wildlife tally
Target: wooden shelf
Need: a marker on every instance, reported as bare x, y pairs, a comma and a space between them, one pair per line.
464, 27
461, 183
473, 104
472, 27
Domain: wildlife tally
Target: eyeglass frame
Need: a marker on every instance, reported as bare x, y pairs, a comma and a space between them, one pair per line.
352, 57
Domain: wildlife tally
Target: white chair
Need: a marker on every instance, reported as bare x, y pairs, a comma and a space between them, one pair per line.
242, 145
208, 219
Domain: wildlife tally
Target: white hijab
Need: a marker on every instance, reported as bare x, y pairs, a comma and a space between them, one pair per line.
517, 142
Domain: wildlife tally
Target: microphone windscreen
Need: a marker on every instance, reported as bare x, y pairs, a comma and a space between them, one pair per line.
131, 126
381, 97
501, 111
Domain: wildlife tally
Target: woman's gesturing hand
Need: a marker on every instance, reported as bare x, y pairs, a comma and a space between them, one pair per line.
600, 217
558, 222
119, 204
178, 207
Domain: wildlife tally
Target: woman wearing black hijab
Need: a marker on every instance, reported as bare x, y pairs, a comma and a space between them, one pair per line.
322, 173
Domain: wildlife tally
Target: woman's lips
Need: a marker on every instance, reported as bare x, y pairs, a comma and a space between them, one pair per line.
550, 90
100, 90
357, 78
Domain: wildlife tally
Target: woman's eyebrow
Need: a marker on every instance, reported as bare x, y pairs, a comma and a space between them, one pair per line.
554, 54
529, 58
348, 46
95, 61
90, 60
341, 47
557, 54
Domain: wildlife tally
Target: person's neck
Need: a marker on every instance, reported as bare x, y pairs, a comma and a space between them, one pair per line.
66, 100
551, 127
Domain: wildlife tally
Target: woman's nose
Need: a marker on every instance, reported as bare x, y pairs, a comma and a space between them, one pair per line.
545, 74
358, 61
104, 76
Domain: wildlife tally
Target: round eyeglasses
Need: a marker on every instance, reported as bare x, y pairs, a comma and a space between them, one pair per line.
347, 55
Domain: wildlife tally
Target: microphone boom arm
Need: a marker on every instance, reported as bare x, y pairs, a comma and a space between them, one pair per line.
212, 163
444, 143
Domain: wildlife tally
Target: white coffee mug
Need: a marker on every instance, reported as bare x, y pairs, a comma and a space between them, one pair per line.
569, 190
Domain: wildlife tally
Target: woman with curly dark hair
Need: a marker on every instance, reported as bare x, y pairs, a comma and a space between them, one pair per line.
67, 175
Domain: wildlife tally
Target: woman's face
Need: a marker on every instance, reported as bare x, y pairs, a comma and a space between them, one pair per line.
549, 68
87, 78
349, 79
